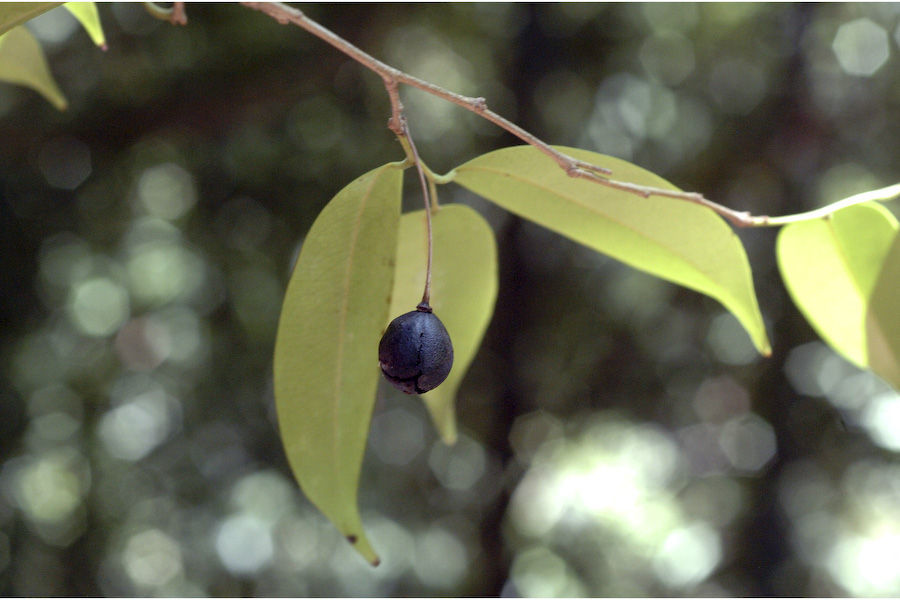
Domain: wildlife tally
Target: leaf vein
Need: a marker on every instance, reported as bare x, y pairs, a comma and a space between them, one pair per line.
342, 321
709, 277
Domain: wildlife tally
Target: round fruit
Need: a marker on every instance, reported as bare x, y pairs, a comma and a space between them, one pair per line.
415, 351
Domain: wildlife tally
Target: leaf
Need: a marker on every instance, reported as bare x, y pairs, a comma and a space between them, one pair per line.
326, 349
676, 240
883, 319
87, 15
831, 268
13, 14
22, 61
463, 291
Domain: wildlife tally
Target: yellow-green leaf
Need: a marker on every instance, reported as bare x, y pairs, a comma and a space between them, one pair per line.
883, 319
22, 62
676, 240
463, 291
87, 15
13, 14
832, 266
326, 350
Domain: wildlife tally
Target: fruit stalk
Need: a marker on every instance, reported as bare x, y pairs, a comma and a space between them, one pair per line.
426, 294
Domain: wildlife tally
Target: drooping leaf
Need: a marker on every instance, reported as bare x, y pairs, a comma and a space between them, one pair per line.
87, 15
463, 291
13, 14
22, 62
832, 266
676, 240
326, 350
883, 319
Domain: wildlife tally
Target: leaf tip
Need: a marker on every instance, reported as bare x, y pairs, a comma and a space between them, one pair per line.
759, 337
447, 432
763, 345
366, 550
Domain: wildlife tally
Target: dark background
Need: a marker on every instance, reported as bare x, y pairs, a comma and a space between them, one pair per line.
619, 435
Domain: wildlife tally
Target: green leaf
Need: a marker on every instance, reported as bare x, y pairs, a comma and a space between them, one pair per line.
87, 15
883, 319
22, 62
831, 268
13, 14
676, 240
463, 291
326, 350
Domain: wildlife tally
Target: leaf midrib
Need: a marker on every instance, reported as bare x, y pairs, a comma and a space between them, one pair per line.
342, 322
640, 234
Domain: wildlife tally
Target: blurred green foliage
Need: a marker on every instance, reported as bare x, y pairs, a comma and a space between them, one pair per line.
618, 435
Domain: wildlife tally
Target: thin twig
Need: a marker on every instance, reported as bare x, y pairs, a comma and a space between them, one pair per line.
174, 14
179, 17
392, 77
884, 194
287, 14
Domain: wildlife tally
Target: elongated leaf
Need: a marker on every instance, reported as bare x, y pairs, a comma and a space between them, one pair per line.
883, 319
22, 61
87, 15
13, 14
830, 267
463, 291
326, 350
682, 242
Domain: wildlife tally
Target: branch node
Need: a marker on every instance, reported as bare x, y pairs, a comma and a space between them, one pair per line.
179, 16
592, 168
396, 126
573, 170
174, 14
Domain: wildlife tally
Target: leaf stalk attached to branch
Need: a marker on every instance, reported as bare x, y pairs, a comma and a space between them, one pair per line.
392, 77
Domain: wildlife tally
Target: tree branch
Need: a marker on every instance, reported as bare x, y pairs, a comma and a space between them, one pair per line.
174, 15
392, 77
884, 194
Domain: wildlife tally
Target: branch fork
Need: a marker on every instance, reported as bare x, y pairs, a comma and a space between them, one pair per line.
573, 167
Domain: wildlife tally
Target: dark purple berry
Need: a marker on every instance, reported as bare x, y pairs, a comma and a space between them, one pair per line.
415, 351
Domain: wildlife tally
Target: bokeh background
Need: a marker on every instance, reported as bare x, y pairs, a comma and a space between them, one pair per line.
619, 435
